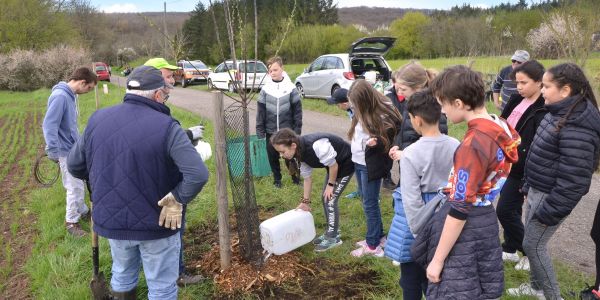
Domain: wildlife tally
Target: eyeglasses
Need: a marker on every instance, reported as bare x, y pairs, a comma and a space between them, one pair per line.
516, 62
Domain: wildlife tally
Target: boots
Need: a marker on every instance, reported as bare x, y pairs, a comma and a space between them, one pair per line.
129, 295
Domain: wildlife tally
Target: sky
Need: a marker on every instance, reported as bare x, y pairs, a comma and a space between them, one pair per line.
188, 5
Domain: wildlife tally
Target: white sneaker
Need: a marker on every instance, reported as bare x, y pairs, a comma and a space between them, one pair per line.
523, 264
395, 263
512, 257
525, 289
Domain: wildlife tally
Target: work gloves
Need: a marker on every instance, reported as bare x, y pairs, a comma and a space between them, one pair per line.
171, 212
197, 132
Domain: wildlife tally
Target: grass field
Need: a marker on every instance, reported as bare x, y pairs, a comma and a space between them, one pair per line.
57, 266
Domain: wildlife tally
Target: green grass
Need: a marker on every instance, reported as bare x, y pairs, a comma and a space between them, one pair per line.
60, 266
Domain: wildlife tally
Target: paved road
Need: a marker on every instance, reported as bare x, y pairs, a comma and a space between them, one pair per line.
571, 243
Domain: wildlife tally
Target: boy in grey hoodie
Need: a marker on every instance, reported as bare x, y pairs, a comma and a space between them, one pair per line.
61, 133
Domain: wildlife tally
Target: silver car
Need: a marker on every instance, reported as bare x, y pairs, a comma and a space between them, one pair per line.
330, 72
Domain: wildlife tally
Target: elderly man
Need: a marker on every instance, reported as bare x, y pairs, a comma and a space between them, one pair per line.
142, 169
194, 134
61, 132
504, 84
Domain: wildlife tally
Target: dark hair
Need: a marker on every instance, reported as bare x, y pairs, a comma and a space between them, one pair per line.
84, 73
424, 105
532, 68
459, 82
570, 74
287, 137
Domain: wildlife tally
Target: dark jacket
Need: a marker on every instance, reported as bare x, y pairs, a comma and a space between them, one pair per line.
407, 134
561, 163
341, 147
473, 268
526, 127
278, 106
377, 158
134, 154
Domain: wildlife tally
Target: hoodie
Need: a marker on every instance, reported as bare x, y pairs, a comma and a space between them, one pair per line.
278, 106
561, 162
60, 122
481, 164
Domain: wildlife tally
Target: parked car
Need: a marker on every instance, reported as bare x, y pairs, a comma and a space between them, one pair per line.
102, 71
191, 71
243, 72
330, 72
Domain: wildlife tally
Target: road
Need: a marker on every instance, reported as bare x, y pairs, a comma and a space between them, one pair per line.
571, 243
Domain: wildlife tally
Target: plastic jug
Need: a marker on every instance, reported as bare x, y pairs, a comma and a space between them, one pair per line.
370, 76
287, 231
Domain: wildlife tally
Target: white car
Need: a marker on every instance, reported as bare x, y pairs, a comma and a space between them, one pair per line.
250, 74
330, 72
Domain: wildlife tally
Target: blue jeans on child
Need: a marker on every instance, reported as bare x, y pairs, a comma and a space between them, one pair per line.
160, 259
370, 198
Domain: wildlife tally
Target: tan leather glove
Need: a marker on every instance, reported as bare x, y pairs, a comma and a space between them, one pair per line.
171, 212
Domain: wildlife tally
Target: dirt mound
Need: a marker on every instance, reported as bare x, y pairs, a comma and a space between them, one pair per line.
287, 276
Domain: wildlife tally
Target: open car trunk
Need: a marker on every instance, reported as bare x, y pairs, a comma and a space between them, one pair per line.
363, 64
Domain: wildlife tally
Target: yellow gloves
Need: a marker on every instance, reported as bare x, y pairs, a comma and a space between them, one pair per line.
171, 212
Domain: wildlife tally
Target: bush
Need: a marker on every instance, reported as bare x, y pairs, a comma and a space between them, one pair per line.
27, 70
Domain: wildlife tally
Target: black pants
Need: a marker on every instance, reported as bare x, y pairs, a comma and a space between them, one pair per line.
413, 281
596, 238
509, 211
274, 161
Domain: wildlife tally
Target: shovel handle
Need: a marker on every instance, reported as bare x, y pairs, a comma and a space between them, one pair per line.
95, 255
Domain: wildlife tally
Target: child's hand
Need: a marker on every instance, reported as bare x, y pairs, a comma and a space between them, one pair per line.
372, 142
328, 193
434, 270
397, 155
392, 151
303, 206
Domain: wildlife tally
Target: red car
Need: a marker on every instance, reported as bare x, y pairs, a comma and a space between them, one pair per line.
102, 71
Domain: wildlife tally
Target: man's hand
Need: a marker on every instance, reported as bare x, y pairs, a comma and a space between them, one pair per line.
171, 212
197, 132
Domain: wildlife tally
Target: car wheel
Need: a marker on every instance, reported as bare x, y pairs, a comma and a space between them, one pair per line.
300, 89
334, 88
183, 84
211, 86
231, 88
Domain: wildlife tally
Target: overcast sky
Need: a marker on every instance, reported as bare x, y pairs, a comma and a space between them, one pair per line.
188, 5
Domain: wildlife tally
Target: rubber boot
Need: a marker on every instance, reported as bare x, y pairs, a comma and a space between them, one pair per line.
129, 295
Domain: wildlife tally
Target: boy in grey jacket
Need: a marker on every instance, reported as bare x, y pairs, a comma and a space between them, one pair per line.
424, 166
279, 106
61, 133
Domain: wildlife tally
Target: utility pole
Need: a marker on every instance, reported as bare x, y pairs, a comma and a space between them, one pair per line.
165, 30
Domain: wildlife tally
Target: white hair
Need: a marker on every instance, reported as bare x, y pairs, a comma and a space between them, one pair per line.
146, 94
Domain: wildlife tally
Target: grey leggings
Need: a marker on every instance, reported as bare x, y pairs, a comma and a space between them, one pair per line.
332, 215
535, 244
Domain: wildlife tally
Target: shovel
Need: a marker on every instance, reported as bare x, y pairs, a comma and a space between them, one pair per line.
98, 283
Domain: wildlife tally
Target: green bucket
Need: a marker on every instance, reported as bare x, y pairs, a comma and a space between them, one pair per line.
259, 162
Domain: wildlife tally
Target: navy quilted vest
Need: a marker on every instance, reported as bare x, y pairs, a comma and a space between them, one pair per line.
130, 169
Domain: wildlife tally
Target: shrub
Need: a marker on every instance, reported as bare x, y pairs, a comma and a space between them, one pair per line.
27, 70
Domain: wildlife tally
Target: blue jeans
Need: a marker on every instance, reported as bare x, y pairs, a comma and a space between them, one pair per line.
159, 258
370, 198
358, 182
181, 264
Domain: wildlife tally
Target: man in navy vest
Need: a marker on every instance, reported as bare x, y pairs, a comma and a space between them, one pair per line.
142, 168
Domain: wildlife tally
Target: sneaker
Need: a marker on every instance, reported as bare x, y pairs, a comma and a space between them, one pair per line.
525, 289
75, 230
388, 184
512, 257
363, 251
277, 183
395, 263
85, 216
523, 264
186, 279
327, 244
321, 238
363, 243
353, 195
